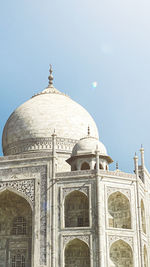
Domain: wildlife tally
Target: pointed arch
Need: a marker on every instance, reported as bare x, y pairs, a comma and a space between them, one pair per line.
85, 166
19, 193
16, 229
76, 207
143, 217
121, 254
77, 253
119, 211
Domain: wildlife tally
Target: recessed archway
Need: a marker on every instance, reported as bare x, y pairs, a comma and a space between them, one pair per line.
121, 254
119, 211
77, 254
15, 230
76, 210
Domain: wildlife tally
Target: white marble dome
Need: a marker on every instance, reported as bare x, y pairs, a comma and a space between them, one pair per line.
88, 145
36, 119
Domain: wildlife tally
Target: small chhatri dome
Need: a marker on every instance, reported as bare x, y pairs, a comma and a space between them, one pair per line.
30, 126
85, 152
88, 145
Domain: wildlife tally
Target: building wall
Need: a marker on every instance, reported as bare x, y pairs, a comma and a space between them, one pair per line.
52, 241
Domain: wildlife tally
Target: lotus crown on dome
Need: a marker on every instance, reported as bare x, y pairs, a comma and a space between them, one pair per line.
50, 90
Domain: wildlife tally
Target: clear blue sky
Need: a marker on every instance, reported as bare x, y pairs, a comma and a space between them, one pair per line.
85, 41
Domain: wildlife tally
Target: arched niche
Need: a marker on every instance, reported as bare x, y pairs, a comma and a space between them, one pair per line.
85, 166
143, 217
77, 253
15, 230
76, 208
119, 211
121, 254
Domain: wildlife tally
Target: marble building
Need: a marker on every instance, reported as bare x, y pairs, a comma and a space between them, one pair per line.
60, 206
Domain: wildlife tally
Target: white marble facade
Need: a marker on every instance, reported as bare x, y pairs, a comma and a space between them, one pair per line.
59, 203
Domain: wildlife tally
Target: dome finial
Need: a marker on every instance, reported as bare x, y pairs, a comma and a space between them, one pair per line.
117, 165
50, 77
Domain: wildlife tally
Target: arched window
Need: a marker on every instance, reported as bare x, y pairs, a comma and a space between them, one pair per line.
85, 166
77, 253
76, 210
100, 166
121, 254
119, 211
143, 217
19, 226
18, 260
145, 257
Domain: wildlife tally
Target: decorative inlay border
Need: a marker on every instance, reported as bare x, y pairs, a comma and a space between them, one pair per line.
75, 173
101, 173
62, 144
